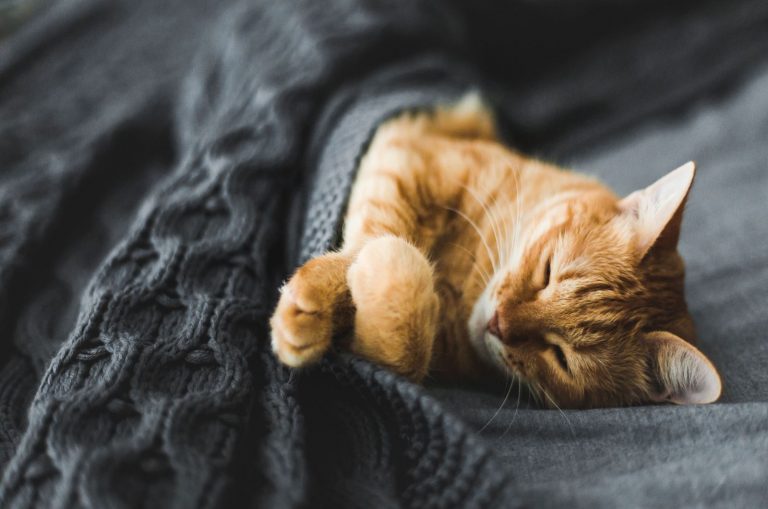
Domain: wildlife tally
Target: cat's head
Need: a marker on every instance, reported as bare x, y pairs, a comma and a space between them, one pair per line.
589, 310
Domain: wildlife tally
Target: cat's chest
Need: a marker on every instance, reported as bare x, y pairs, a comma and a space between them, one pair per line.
458, 283
458, 286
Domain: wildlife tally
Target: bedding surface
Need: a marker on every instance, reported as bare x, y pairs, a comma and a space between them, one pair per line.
165, 165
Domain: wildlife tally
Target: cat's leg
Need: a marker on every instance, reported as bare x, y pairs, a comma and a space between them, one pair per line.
380, 282
391, 283
386, 292
314, 304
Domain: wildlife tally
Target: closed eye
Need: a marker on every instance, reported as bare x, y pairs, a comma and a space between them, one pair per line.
547, 273
560, 356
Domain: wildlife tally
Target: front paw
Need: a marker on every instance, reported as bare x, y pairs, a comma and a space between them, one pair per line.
301, 324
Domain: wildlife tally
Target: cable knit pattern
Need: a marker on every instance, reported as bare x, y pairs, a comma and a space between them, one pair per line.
155, 396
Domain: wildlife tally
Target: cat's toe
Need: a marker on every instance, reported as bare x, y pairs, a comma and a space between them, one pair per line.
301, 326
294, 353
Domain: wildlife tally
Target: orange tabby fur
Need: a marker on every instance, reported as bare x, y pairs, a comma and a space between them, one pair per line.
466, 260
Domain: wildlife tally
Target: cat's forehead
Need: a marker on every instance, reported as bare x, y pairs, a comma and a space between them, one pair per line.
579, 227
592, 250
572, 209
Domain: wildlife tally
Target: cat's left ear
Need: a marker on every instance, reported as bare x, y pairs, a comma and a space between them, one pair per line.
657, 210
683, 374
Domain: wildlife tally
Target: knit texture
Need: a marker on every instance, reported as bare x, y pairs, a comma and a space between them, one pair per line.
167, 379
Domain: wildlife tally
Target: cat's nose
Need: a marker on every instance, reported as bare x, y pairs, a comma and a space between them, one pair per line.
493, 325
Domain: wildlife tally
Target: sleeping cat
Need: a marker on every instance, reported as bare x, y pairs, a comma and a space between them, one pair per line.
464, 260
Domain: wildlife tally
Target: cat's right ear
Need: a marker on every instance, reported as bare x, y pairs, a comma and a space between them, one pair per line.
656, 212
682, 373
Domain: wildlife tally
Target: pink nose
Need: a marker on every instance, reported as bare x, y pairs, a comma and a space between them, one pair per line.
493, 326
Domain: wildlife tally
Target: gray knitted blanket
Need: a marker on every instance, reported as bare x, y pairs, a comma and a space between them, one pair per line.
165, 165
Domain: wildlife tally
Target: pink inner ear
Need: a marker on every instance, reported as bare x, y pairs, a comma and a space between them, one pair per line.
703, 387
656, 210
686, 375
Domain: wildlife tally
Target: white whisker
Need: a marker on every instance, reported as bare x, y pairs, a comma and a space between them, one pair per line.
559, 410
491, 218
477, 229
504, 402
517, 407
510, 237
483, 272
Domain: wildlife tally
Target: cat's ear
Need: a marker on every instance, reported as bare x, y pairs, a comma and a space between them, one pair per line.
684, 375
657, 210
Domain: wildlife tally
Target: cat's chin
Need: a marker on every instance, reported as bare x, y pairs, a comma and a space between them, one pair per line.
495, 355
487, 346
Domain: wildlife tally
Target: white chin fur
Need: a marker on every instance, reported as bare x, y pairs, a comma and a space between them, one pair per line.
495, 353
485, 344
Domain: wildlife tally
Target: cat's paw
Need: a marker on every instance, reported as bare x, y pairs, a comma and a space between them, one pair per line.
303, 322
301, 325
391, 284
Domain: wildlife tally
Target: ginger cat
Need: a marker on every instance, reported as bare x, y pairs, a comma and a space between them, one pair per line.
465, 260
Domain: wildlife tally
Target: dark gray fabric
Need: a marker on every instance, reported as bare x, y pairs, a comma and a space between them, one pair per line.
146, 221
